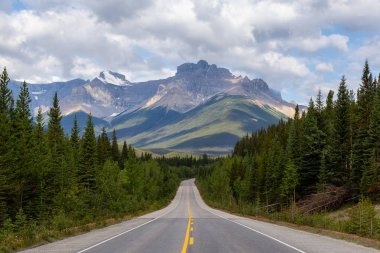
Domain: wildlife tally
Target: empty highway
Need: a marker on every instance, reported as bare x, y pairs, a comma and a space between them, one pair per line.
189, 225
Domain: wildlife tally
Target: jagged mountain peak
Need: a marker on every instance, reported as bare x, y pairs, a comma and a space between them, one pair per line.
111, 77
202, 68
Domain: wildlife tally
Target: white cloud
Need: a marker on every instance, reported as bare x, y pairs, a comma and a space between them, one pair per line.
272, 39
324, 67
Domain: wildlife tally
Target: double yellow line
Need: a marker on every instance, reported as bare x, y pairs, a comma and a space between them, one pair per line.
189, 240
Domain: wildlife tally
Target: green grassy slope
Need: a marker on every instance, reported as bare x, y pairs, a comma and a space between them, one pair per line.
212, 128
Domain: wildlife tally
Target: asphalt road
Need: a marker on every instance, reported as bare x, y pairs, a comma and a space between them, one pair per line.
189, 225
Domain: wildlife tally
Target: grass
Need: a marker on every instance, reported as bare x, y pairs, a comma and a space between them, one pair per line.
37, 235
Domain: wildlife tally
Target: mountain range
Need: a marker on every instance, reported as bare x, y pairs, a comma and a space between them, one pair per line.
203, 108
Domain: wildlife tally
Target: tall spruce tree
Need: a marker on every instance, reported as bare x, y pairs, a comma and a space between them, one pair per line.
55, 137
6, 98
103, 147
370, 178
74, 137
23, 134
312, 147
329, 152
123, 155
6, 143
88, 161
41, 169
361, 150
342, 147
115, 147
296, 141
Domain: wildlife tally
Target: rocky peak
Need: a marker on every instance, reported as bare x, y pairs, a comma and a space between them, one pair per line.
202, 68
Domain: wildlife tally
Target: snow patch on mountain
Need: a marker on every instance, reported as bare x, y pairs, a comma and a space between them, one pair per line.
114, 78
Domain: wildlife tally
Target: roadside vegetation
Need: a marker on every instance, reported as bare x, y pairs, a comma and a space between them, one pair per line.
298, 171
53, 185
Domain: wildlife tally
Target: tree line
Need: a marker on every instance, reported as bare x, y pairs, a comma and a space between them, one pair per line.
46, 176
333, 144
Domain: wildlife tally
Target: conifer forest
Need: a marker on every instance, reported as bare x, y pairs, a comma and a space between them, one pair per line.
50, 181
328, 155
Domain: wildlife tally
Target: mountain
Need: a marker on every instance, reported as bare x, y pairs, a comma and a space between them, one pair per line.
202, 108
208, 128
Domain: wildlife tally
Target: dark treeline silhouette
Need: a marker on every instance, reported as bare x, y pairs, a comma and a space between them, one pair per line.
57, 181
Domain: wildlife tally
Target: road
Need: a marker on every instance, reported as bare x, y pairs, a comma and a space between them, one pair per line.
189, 225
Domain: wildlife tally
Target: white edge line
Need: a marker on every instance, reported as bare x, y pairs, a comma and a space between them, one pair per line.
261, 233
122, 233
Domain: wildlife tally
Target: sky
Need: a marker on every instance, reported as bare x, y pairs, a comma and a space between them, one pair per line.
297, 47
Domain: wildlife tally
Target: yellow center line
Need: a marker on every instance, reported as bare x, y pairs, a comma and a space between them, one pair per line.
187, 241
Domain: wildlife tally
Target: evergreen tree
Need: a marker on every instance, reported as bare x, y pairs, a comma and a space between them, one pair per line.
55, 136
319, 108
370, 180
6, 98
104, 147
88, 161
6, 142
74, 149
342, 145
329, 153
312, 147
123, 155
296, 138
374, 128
361, 150
290, 179
115, 148
74, 138
41, 170
289, 184
23, 134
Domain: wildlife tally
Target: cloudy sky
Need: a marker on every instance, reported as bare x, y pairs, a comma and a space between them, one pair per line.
296, 46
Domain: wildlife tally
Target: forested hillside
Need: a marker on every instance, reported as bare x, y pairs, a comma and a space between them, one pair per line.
50, 182
323, 157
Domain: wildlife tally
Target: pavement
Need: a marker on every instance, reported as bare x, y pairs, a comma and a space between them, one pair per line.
189, 225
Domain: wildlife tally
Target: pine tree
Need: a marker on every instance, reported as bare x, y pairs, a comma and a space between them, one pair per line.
289, 184
329, 152
312, 147
41, 169
361, 150
374, 127
23, 134
115, 148
342, 146
123, 155
55, 130
6, 142
6, 98
74, 138
324, 174
103, 147
319, 108
370, 180
295, 132
55, 137
88, 161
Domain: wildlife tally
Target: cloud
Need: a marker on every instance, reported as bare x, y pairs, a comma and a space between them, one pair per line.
294, 45
324, 67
